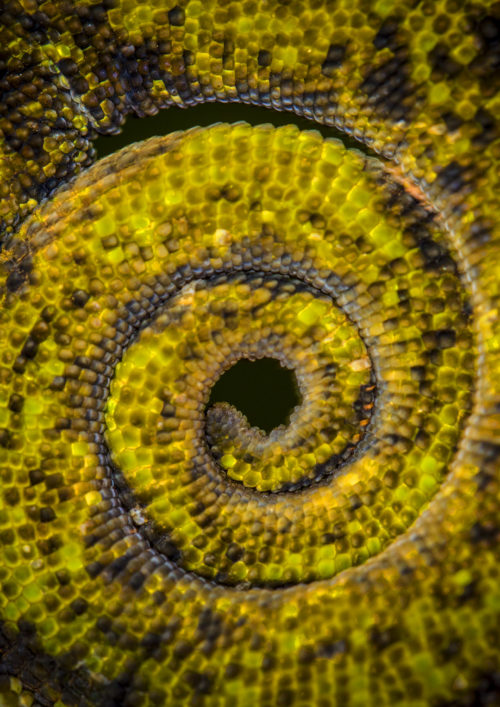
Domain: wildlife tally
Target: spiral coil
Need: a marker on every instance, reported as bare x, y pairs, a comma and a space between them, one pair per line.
160, 550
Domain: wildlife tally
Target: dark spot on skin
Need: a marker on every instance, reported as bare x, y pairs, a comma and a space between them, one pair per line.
451, 649
232, 670
441, 24
328, 538
230, 193
5, 437
200, 682
91, 540
118, 692
435, 357
483, 478
445, 338
26, 627
386, 36
355, 502
422, 439
264, 58
403, 296
80, 85
285, 698
36, 24
468, 593
62, 423
485, 693
159, 598
58, 383
436, 257
19, 364
488, 128
334, 58
36, 476
54, 481
234, 552
335, 462
317, 220
63, 577
16, 402
151, 641
40, 331
182, 649
486, 64
365, 401
389, 88
443, 66
167, 547
68, 67
453, 177
453, 121
489, 451
268, 661
488, 30
30, 348
118, 565
15, 280
306, 655
480, 233
329, 650
79, 605
188, 58
50, 545
104, 624
209, 625
94, 569
385, 637
137, 580
47, 515
80, 298
176, 16
7, 537
483, 532
11, 497
83, 362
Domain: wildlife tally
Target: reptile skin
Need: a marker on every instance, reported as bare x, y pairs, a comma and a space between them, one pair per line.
154, 551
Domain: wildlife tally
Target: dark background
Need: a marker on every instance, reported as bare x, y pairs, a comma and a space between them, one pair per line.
172, 119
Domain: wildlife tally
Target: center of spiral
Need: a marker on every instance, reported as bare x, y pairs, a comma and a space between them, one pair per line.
170, 371
180, 452
265, 391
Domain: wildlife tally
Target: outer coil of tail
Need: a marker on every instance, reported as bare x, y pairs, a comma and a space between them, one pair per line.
156, 550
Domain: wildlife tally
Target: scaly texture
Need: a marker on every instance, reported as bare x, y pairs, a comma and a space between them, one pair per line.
158, 552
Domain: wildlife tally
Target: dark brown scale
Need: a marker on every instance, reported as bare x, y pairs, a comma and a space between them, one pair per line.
334, 59
488, 128
389, 89
443, 65
387, 35
453, 122
454, 177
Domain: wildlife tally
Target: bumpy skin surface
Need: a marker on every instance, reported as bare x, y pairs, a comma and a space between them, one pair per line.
153, 552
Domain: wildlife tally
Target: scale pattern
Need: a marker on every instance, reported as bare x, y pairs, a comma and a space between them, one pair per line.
154, 551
